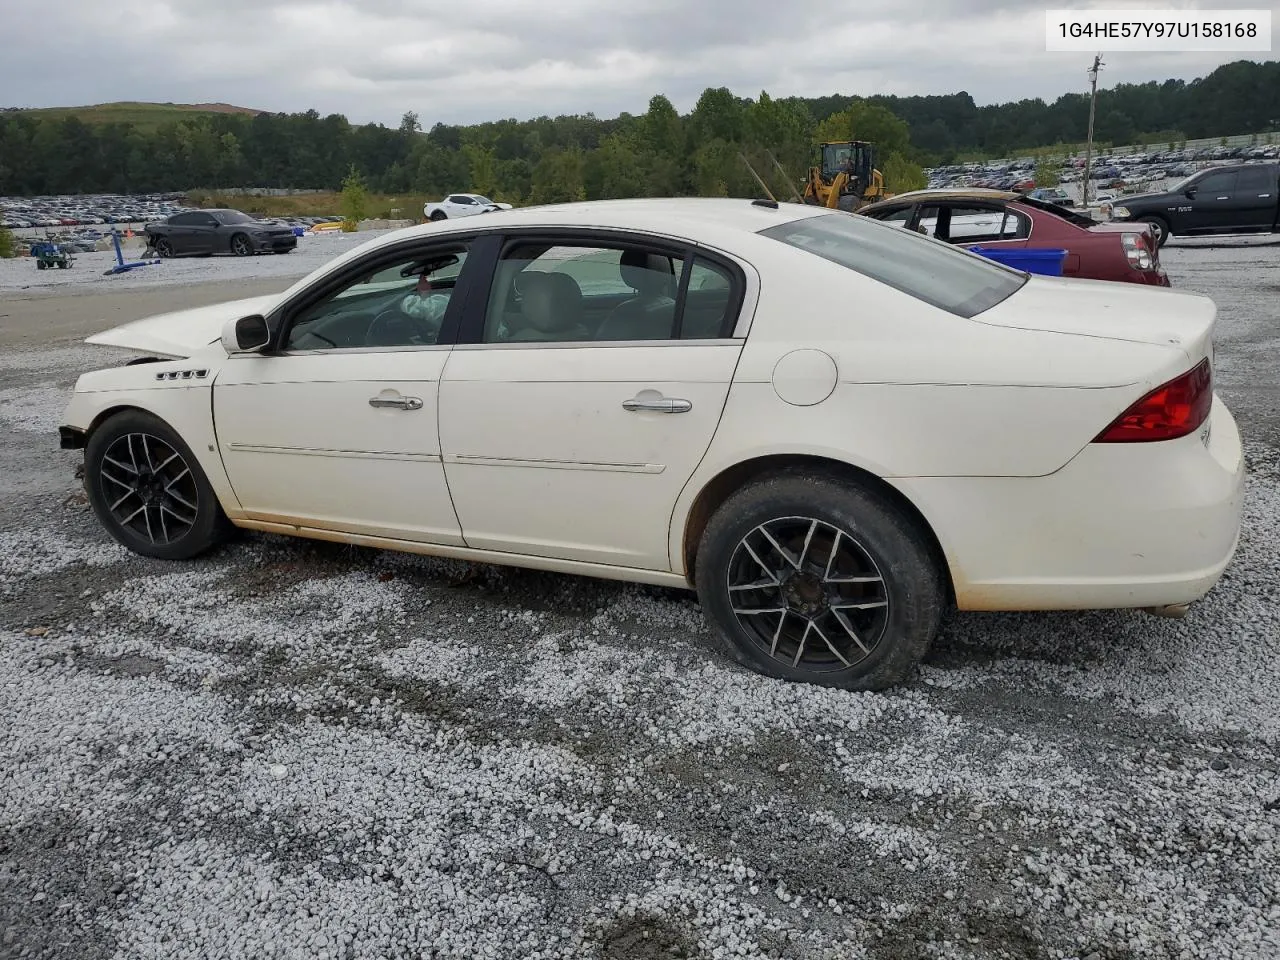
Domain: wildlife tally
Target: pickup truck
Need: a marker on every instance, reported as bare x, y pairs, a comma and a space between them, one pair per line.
1240, 198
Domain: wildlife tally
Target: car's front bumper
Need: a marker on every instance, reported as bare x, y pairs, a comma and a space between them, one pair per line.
268, 243
1121, 525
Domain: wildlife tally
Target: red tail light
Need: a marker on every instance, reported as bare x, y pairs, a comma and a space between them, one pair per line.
1167, 412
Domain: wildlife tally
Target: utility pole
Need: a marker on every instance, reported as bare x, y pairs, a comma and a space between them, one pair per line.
1088, 147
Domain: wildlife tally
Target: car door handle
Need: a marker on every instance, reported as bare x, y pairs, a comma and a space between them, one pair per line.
403, 403
657, 405
1264, 196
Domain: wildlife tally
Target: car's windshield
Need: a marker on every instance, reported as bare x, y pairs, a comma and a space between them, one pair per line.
937, 273
482, 200
233, 216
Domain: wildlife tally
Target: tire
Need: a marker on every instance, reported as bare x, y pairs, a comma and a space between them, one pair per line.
870, 537
164, 248
41, 265
438, 215
1160, 227
176, 493
241, 245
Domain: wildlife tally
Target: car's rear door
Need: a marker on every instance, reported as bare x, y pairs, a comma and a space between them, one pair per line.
337, 428
569, 421
1255, 196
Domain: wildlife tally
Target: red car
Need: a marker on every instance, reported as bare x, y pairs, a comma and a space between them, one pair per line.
1002, 219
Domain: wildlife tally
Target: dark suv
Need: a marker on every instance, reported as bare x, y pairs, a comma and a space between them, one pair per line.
1240, 198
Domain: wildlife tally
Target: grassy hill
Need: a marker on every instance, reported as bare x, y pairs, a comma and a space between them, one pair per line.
143, 115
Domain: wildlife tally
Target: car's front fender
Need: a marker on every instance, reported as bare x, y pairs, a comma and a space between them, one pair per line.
184, 402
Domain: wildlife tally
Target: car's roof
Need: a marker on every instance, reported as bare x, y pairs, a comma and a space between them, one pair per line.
949, 193
674, 216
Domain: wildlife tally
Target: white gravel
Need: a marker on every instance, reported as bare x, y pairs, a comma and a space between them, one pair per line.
303, 750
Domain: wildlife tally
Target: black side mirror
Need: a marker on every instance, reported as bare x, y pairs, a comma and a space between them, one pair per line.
246, 335
1190, 193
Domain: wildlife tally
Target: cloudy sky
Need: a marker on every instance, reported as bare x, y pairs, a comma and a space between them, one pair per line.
487, 59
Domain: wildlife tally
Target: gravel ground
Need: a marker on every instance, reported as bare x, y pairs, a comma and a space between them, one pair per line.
304, 750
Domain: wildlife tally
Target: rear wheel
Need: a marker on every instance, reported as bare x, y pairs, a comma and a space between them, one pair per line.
438, 215
1159, 228
807, 577
148, 489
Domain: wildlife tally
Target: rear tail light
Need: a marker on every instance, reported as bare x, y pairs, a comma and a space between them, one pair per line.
1170, 411
1137, 251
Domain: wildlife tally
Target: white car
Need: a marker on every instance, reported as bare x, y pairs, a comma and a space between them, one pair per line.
831, 428
461, 205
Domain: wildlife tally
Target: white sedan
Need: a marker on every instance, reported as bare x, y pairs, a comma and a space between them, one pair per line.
461, 205
831, 428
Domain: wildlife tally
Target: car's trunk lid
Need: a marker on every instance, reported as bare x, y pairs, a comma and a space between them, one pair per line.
1110, 310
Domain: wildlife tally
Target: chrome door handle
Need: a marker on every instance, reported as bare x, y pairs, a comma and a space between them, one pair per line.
403, 403
658, 405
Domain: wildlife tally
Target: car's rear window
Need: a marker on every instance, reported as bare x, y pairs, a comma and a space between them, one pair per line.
939, 274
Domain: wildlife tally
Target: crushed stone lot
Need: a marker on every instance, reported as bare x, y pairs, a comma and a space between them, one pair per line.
292, 749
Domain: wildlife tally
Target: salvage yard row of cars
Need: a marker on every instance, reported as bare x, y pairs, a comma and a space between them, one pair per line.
830, 427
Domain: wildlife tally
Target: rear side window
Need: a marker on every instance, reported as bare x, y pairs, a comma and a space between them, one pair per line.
943, 276
1259, 178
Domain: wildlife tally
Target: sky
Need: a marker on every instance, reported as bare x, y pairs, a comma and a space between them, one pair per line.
478, 60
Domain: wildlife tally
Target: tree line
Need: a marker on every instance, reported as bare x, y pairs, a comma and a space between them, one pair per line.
657, 153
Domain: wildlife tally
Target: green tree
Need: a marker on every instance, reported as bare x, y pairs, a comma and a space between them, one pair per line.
355, 199
901, 175
558, 177
1048, 174
8, 247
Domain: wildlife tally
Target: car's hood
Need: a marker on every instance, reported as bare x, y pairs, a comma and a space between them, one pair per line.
181, 333
1128, 198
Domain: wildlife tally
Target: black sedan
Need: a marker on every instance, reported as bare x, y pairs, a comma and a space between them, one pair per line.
203, 232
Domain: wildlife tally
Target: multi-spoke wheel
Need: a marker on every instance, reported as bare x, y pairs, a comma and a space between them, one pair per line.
809, 578
241, 246
148, 489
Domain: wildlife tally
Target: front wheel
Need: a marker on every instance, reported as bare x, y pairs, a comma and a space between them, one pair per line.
809, 578
148, 489
1159, 228
164, 248
240, 245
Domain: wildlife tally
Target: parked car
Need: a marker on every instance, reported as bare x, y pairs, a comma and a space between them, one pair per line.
461, 205
1053, 195
1241, 198
1006, 220
830, 428
205, 232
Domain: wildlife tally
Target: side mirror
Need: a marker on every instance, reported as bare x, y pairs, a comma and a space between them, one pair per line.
1190, 193
245, 335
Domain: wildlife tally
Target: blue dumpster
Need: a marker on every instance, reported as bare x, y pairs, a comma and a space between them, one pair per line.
1044, 260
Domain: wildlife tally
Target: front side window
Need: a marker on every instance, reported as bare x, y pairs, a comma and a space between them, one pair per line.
401, 304
232, 216
565, 293
950, 279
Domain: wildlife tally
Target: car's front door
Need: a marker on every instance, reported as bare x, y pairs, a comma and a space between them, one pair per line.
1214, 206
587, 390
336, 428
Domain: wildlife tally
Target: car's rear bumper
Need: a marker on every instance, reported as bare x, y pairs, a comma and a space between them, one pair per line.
1121, 525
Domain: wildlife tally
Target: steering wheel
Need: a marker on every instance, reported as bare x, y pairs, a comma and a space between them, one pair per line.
400, 329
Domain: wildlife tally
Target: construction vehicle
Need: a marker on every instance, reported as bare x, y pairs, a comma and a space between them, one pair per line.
846, 178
